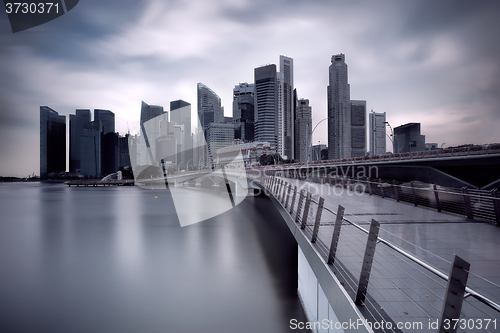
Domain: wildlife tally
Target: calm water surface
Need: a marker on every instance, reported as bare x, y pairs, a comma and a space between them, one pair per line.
116, 260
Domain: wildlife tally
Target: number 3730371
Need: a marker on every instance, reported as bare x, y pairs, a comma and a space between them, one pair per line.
32, 8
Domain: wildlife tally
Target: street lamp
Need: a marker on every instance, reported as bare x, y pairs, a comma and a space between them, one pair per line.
310, 136
391, 137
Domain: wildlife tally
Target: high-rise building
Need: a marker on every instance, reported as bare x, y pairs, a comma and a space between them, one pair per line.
151, 116
52, 142
220, 135
210, 111
358, 128
407, 138
286, 112
76, 123
303, 128
377, 133
266, 104
316, 152
110, 153
107, 119
243, 112
180, 113
339, 110
91, 149
209, 106
124, 152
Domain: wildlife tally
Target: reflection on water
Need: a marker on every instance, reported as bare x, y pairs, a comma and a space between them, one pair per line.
116, 260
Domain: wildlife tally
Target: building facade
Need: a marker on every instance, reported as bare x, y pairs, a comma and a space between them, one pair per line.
52, 142
151, 116
286, 110
180, 113
220, 135
243, 112
339, 109
76, 123
91, 150
303, 128
266, 104
358, 128
377, 133
407, 138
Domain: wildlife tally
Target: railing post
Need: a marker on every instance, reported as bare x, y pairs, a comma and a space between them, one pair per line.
381, 188
414, 193
468, 208
306, 211
496, 204
396, 190
367, 262
336, 235
288, 195
436, 195
318, 220
299, 207
283, 194
454, 296
293, 199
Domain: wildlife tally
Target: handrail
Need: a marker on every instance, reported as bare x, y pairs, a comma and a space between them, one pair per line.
480, 297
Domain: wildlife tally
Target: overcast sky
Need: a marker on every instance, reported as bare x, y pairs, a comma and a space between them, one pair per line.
433, 62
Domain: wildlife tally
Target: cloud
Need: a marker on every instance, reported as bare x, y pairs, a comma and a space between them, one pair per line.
435, 63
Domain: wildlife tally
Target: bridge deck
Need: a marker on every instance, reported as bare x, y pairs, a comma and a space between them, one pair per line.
406, 291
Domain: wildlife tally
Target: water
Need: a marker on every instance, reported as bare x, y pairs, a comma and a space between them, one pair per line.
115, 259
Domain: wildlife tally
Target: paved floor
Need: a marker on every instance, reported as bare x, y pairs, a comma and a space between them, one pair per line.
400, 287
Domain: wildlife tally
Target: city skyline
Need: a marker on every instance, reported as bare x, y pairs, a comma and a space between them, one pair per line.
413, 62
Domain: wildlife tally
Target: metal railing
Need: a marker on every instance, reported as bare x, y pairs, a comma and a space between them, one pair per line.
468, 150
410, 291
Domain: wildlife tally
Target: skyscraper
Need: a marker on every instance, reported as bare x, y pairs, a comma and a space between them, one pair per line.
266, 104
407, 138
243, 111
52, 142
377, 133
91, 149
76, 123
303, 124
358, 128
110, 154
150, 131
286, 111
210, 111
339, 110
209, 106
180, 113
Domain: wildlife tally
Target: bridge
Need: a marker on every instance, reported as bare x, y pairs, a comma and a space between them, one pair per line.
365, 254
407, 249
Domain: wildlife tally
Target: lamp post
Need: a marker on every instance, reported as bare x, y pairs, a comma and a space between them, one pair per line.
309, 142
391, 137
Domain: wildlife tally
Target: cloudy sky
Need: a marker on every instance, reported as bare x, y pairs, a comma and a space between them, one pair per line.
433, 62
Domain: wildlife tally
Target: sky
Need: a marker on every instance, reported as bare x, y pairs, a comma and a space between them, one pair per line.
427, 61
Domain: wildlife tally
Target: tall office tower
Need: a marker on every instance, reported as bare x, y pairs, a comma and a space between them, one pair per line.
316, 152
209, 111
286, 109
266, 104
407, 138
377, 133
151, 115
91, 149
107, 119
76, 123
358, 128
220, 135
243, 111
339, 110
303, 128
52, 142
209, 106
110, 153
124, 151
180, 113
